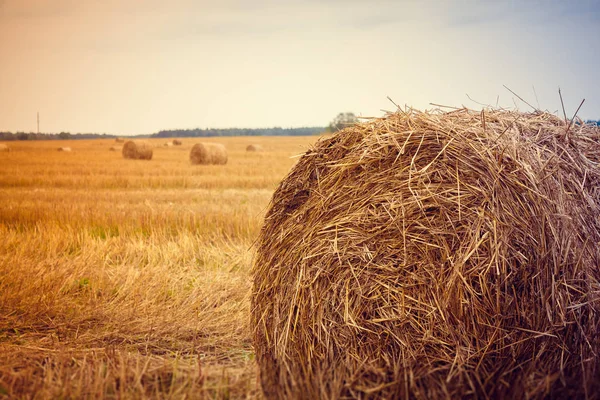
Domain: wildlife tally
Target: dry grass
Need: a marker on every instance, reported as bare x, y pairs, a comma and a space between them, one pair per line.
435, 255
130, 280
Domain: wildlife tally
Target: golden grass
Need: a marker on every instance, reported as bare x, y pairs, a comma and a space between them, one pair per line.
121, 279
92, 166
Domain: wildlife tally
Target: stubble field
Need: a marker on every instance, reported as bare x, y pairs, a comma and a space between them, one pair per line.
130, 279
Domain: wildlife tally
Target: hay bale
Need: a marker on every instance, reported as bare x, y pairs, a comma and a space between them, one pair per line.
254, 147
168, 144
4, 147
67, 149
115, 148
119, 140
137, 150
434, 255
208, 153
177, 142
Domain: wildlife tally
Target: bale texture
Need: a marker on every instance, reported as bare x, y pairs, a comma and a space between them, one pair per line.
254, 147
137, 150
434, 255
64, 149
177, 142
208, 153
4, 147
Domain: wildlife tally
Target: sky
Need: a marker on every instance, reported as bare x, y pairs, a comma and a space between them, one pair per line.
139, 66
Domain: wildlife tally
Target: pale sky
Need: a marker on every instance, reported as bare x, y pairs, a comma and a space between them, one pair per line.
139, 66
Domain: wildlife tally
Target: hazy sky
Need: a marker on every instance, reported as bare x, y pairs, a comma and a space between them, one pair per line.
138, 66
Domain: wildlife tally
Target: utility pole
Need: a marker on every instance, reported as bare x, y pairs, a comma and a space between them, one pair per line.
38, 119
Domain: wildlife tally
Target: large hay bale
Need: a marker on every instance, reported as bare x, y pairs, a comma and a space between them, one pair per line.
137, 150
4, 147
208, 153
434, 255
177, 142
67, 149
254, 147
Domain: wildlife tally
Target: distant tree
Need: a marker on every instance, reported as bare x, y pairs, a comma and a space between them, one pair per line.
341, 121
64, 135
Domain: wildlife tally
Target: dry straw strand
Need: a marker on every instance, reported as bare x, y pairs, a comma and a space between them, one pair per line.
137, 150
422, 256
208, 153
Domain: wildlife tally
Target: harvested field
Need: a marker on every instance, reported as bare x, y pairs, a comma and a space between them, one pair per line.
434, 255
123, 279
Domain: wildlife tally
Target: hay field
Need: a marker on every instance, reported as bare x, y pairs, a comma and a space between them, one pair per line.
130, 278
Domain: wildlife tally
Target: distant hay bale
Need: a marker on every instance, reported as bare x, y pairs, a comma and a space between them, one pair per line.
168, 144
64, 149
115, 148
434, 255
4, 147
208, 153
137, 150
254, 147
177, 142
119, 140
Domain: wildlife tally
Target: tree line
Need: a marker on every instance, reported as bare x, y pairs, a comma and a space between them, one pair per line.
276, 131
52, 136
341, 121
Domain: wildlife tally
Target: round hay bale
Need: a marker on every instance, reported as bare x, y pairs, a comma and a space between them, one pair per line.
115, 148
67, 149
434, 255
119, 140
177, 142
208, 153
4, 147
254, 147
168, 144
137, 150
